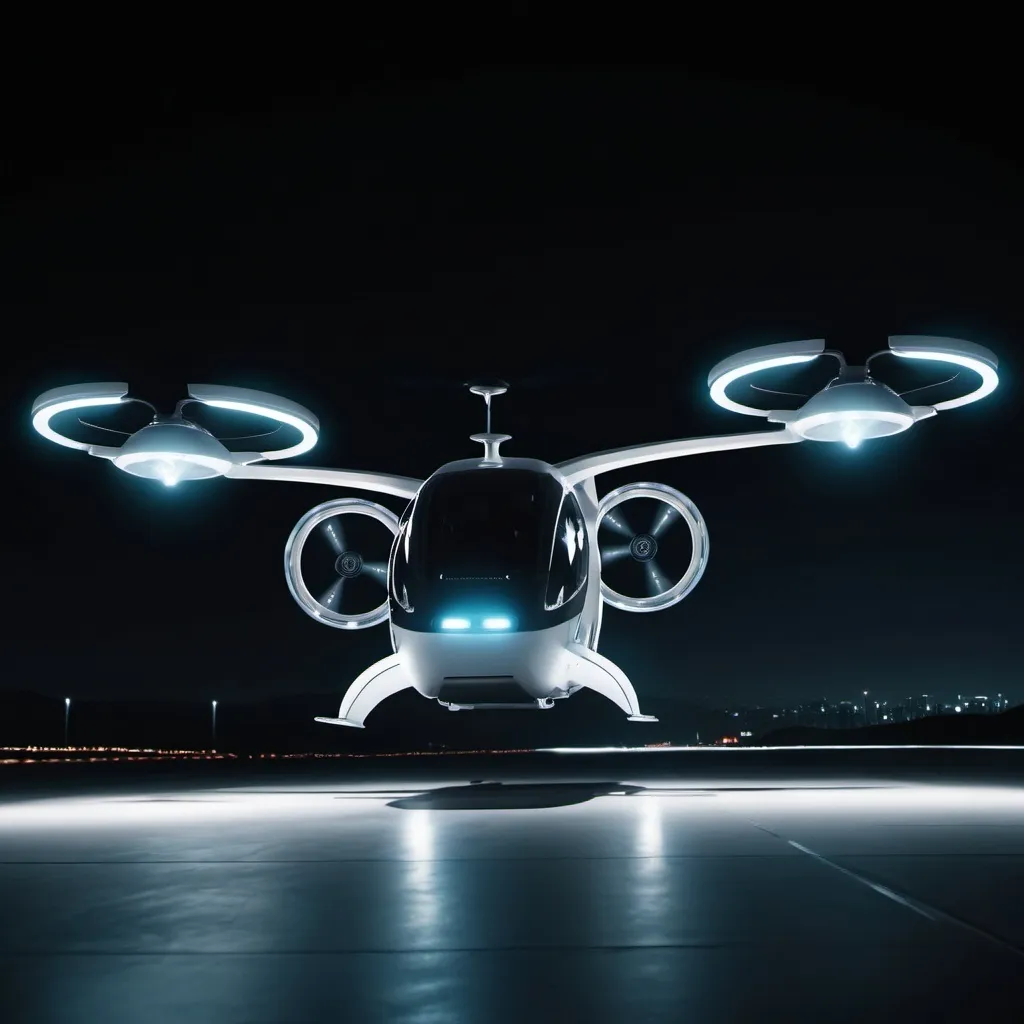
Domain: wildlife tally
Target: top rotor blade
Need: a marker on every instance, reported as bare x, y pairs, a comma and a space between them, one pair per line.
773, 391
109, 430
655, 579
663, 519
333, 532
377, 571
948, 380
253, 437
331, 597
616, 521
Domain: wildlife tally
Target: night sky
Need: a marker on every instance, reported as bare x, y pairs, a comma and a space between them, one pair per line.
597, 238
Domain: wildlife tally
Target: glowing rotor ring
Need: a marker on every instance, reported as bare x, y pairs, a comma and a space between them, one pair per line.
293, 561
951, 350
77, 396
754, 360
259, 403
689, 512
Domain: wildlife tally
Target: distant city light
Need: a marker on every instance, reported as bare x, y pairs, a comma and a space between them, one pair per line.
759, 721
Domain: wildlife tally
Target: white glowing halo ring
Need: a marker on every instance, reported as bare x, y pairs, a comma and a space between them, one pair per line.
987, 372
259, 403
78, 396
904, 421
293, 561
754, 360
698, 535
219, 466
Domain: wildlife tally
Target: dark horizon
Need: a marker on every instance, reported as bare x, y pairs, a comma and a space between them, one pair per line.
368, 250
405, 724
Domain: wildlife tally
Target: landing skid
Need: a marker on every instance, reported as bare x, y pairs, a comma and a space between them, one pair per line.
588, 668
370, 687
596, 672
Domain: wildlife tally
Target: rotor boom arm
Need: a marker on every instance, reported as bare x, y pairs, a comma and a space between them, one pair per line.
579, 470
357, 479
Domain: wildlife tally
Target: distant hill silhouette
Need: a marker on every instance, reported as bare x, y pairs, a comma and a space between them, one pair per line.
1004, 728
285, 724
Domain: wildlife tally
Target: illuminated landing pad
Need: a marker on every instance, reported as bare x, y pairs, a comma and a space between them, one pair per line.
620, 889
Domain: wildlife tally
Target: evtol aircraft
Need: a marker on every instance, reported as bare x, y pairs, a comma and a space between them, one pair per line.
499, 567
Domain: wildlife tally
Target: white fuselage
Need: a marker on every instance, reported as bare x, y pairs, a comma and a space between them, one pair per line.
539, 661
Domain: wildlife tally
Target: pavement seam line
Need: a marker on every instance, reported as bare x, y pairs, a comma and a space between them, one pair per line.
881, 889
924, 909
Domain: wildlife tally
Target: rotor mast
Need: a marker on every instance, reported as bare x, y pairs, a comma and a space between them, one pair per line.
489, 440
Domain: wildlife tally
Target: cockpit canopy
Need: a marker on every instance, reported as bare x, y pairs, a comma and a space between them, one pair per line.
502, 542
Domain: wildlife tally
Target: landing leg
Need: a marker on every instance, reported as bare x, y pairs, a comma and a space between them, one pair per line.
595, 671
377, 683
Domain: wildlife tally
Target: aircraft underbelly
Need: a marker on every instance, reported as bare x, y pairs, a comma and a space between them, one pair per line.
538, 660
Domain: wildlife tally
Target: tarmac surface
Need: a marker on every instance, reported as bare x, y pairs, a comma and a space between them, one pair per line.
705, 885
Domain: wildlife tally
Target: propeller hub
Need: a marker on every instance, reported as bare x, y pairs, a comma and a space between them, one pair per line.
172, 449
348, 564
851, 412
643, 547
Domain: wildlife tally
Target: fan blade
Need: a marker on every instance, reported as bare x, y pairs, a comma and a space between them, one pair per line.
331, 597
948, 380
663, 520
772, 391
253, 437
333, 532
377, 571
655, 579
609, 555
617, 521
109, 430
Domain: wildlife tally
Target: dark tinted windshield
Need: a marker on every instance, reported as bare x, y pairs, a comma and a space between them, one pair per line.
486, 523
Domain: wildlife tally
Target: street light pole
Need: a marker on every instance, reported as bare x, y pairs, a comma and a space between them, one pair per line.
67, 715
213, 725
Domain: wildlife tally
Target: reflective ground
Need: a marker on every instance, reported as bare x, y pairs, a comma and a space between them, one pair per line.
710, 886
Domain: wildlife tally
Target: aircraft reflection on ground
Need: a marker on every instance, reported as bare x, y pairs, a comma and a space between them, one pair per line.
211, 805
